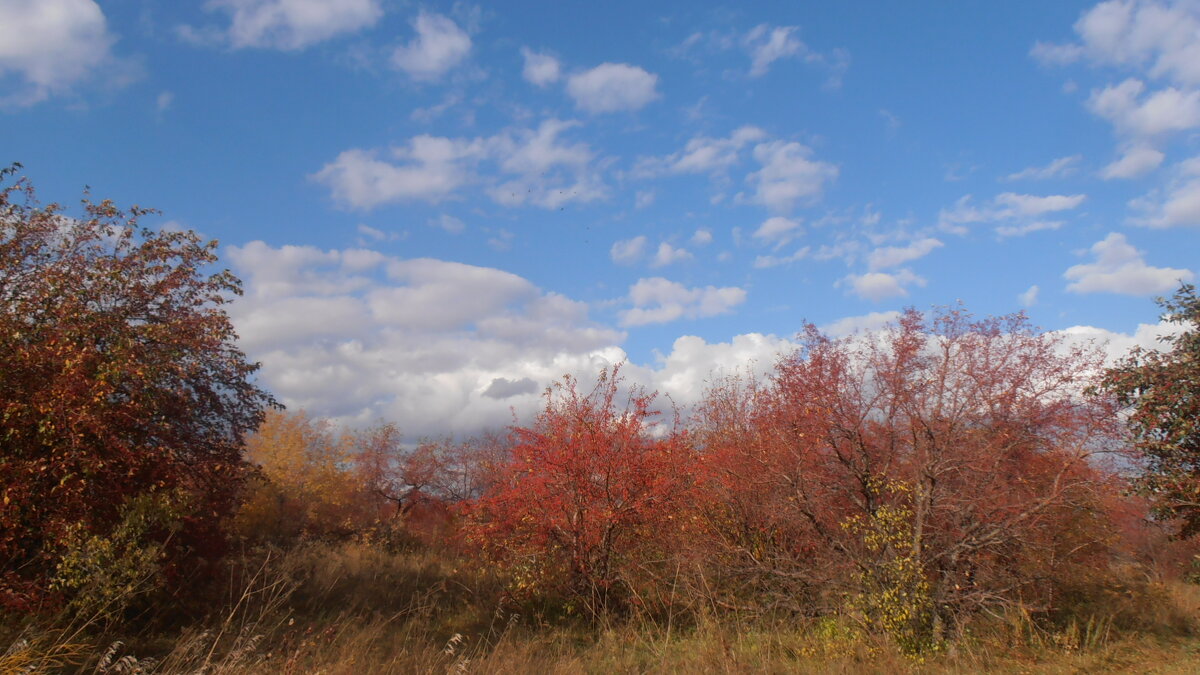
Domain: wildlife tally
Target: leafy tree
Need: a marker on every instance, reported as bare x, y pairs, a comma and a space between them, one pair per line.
592, 488
120, 378
1162, 389
952, 462
303, 485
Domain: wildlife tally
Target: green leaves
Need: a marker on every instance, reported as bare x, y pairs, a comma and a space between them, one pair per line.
1162, 390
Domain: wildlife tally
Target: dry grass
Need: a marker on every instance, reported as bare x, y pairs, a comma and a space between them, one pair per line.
355, 608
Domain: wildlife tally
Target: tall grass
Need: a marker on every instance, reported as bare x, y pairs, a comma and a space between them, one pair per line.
361, 608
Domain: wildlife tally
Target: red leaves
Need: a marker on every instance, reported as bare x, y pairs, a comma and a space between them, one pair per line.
591, 487
120, 373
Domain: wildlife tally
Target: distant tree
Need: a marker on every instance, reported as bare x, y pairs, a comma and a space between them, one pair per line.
1162, 390
120, 378
303, 485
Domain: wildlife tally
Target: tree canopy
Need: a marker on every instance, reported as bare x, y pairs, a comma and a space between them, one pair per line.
1162, 389
121, 378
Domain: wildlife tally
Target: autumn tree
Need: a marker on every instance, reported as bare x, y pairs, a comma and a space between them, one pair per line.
592, 487
304, 485
939, 467
1162, 391
121, 378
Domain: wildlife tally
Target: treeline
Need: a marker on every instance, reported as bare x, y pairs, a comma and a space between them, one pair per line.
914, 478
906, 482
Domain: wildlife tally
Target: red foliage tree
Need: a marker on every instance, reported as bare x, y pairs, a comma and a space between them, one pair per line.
958, 451
120, 378
592, 486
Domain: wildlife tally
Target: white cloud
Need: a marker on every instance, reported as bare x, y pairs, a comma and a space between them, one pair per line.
533, 166
702, 154
439, 46
877, 286
891, 256
1135, 161
1120, 268
1063, 166
778, 229
449, 223
1116, 345
767, 261
702, 237
657, 300
1162, 37
434, 167
550, 172
1180, 206
293, 24
788, 175
540, 69
1024, 229
769, 44
612, 87
1030, 297
1018, 205
859, 324
51, 46
1007, 207
1164, 111
436, 346
628, 251
668, 254
643, 198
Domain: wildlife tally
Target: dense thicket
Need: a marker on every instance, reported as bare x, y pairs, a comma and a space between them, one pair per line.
123, 395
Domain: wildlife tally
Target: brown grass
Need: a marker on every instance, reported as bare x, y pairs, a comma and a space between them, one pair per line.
356, 608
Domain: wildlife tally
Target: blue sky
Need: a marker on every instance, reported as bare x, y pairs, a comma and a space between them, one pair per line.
437, 209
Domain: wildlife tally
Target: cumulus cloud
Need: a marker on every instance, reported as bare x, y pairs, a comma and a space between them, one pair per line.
657, 300
540, 68
668, 254
1121, 268
51, 46
502, 388
431, 169
788, 175
1161, 112
1135, 161
612, 87
1020, 211
878, 286
859, 324
534, 166
437, 346
1161, 37
628, 251
439, 46
769, 44
768, 261
355, 335
290, 24
1058, 168
1178, 204
702, 237
702, 154
778, 229
1030, 297
891, 256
